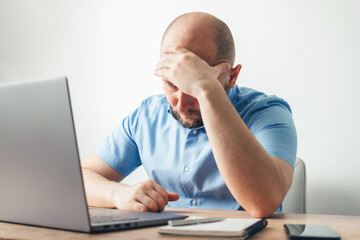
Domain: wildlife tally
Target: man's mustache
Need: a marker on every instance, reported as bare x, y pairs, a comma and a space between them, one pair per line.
197, 113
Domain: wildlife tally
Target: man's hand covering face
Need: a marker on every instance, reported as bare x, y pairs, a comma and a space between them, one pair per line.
187, 71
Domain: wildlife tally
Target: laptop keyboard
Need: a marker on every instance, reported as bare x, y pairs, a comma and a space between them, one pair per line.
111, 218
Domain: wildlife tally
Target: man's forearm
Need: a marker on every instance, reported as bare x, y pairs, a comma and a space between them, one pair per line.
98, 189
248, 171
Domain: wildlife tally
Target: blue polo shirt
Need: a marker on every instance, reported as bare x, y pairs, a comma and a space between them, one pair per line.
181, 159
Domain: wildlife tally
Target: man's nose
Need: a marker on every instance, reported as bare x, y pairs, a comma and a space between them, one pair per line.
185, 102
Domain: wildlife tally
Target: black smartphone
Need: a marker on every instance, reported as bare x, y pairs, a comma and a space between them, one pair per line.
309, 231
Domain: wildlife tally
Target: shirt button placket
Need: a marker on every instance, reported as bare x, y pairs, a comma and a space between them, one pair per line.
188, 158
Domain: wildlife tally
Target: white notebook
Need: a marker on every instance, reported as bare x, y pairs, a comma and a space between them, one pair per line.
240, 228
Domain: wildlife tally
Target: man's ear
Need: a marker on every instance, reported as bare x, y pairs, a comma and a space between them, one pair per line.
234, 73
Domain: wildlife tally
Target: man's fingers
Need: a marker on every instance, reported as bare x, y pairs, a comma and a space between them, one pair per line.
138, 207
177, 49
162, 72
164, 63
167, 60
173, 196
162, 192
158, 199
159, 195
148, 202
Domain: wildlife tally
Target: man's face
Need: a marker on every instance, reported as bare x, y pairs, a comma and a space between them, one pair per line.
184, 108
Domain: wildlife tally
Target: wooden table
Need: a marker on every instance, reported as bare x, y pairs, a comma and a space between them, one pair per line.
348, 227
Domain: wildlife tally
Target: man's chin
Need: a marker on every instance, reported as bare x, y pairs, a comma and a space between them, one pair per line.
187, 120
191, 122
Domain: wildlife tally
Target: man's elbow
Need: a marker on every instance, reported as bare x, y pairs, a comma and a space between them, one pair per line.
262, 210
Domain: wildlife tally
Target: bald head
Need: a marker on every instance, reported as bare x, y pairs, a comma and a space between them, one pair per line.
205, 35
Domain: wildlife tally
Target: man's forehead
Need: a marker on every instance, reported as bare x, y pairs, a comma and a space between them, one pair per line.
199, 41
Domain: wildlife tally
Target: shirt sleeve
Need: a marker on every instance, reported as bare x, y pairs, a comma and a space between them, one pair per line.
119, 150
274, 128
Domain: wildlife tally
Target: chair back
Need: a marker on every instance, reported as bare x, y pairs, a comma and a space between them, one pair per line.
295, 199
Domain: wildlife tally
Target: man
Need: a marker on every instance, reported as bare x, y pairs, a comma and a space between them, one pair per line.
207, 143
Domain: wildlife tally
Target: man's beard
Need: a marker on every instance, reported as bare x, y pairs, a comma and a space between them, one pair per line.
196, 123
188, 124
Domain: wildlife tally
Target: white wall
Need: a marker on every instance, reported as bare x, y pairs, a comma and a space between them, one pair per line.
307, 52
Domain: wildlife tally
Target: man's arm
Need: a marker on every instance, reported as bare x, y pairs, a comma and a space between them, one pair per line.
104, 190
257, 181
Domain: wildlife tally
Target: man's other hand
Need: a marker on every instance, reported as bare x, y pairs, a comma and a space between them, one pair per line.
145, 196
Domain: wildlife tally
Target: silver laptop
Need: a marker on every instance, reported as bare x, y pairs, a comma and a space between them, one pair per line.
40, 175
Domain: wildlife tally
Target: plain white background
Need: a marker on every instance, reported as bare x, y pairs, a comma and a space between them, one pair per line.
306, 52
